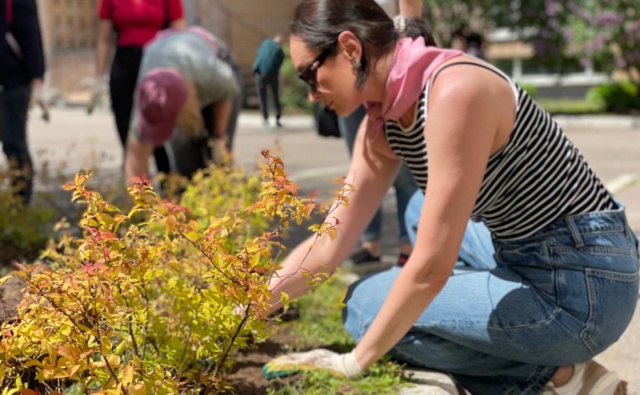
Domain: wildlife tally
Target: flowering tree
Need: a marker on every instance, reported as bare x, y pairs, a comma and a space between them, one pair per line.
446, 17
604, 33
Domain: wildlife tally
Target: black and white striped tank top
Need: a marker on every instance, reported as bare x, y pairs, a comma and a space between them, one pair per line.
535, 178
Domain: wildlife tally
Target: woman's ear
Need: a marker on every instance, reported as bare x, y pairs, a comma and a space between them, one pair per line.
350, 46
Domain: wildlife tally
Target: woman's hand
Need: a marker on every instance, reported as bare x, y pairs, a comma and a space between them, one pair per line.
220, 155
37, 98
97, 91
339, 365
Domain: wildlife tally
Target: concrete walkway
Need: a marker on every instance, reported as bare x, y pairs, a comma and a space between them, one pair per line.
74, 140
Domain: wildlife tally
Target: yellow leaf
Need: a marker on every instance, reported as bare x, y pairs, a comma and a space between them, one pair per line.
127, 375
69, 352
105, 347
114, 361
72, 370
332, 233
171, 223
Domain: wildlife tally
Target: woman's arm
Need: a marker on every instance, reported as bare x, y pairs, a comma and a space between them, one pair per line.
178, 24
373, 169
464, 119
105, 30
221, 115
175, 14
136, 161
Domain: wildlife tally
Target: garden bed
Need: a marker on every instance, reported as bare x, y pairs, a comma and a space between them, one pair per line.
146, 298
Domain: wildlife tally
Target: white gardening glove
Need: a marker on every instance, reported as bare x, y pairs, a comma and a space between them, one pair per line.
339, 365
37, 99
219, 153
97, 91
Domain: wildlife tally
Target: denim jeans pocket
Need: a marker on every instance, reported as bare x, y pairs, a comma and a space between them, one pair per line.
612, 301
616, 242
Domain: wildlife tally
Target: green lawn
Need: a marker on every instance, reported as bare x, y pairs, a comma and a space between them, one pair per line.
570, 106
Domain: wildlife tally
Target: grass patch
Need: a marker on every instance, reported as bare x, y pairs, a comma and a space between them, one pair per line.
384, 378
571, 106
320, 325
320, 322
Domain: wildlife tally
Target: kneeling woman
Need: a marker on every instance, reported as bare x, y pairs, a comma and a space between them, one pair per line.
564, 281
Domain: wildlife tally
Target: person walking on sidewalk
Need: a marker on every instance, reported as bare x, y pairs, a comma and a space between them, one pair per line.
266, 69
22, 70
135, 23
187, 99
563, 285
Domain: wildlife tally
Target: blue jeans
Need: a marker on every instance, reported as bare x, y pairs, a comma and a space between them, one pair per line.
477, 247
14, 105
404, 184
556, 298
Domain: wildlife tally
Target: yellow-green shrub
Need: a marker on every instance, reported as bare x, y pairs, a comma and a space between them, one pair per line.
153, 306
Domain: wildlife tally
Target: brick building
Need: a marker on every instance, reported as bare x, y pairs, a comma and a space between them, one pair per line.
70, 29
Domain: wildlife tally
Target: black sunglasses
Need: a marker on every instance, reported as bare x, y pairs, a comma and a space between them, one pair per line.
309, 74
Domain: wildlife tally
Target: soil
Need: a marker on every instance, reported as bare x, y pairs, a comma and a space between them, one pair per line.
10, 296
246, 377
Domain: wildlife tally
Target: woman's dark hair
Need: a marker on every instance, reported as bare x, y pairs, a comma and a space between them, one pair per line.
319, 23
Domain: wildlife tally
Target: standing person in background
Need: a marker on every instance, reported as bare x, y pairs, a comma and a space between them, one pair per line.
135, 23
370, 250
21, 74
267, 71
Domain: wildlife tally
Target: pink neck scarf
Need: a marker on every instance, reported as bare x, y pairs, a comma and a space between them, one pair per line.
411, 67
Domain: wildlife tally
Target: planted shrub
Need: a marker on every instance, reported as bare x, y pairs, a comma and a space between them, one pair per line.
156, 305
24, 229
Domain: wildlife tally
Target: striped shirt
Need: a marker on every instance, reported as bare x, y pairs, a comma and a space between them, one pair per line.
536, 177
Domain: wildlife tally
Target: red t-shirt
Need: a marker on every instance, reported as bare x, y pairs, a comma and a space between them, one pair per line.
138, 21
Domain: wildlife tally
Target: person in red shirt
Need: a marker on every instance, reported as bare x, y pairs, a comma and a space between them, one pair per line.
135, 22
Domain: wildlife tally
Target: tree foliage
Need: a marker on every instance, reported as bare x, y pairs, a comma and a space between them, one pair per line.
605, 34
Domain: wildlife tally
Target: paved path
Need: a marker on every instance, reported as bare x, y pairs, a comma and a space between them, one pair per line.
74, 140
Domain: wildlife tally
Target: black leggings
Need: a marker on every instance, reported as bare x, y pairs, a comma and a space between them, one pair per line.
122, 85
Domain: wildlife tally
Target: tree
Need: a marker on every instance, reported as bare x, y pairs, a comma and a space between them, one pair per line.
603, 33
446, 17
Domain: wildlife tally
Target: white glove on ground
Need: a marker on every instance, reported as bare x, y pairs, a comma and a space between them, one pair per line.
340, 365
